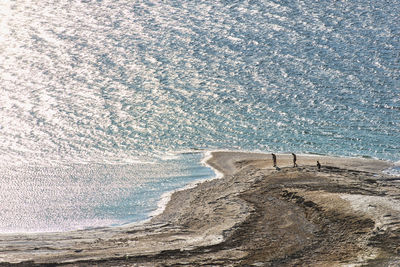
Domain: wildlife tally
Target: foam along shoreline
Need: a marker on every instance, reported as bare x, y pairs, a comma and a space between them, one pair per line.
253, 215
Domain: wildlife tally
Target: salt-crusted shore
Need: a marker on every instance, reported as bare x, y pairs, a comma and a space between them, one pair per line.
348, 213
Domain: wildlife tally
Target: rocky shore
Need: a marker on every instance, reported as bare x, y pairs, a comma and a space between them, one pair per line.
346, 213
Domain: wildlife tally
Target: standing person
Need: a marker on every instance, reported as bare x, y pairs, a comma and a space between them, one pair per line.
274, 159
318, 165
294, 160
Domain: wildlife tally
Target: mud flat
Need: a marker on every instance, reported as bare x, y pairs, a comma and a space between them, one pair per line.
346, 213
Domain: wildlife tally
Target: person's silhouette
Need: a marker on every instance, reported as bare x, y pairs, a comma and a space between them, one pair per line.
274, 159
294, 160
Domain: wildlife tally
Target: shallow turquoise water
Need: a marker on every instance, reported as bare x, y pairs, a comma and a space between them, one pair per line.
66, 196
109, 92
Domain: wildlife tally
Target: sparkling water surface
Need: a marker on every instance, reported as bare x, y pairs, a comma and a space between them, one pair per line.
98, 98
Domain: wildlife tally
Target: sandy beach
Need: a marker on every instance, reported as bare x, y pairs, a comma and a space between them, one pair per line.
346, 213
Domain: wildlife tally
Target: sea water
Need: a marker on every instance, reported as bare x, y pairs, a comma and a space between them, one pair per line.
106, 105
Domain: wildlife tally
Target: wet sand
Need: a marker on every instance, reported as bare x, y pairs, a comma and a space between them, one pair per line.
348, 213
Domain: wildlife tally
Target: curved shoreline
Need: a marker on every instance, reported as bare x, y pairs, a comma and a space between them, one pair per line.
253, 215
